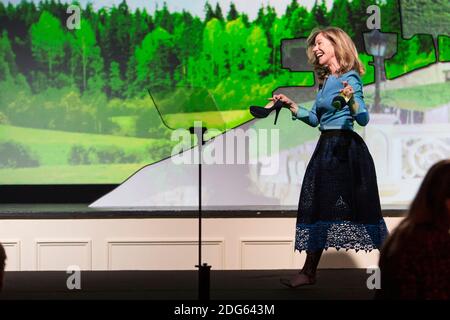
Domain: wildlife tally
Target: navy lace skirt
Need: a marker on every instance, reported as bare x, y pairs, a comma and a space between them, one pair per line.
339, 204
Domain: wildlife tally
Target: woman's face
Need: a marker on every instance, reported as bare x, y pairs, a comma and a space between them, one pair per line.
323, 50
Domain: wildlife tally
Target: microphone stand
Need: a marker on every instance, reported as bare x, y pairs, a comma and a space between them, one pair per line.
203, 269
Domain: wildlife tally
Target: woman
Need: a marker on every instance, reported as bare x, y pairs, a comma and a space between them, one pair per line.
339, 204
415, 261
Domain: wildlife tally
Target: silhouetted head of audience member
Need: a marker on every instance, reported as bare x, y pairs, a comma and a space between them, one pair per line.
2, 265
430, 207
432, 203
415, 259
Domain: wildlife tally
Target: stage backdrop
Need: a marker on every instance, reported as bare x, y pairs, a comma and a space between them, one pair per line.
75, 80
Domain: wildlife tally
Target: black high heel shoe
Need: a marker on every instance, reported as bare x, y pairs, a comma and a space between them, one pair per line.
261, 112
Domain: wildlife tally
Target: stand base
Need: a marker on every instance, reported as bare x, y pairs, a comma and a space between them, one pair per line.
203, 281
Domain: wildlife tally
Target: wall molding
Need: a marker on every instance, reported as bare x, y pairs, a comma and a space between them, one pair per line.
259, 241
16, 245
153, 242
42, 243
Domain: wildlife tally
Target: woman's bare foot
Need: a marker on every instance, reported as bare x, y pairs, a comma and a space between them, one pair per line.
298, 280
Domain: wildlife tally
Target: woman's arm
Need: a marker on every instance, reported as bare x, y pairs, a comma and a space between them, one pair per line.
303, 114
357, 105
299, 112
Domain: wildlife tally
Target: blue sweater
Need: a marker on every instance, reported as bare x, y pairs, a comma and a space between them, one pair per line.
326, 115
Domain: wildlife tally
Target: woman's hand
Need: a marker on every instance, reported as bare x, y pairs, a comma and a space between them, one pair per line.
291, 104
347, 91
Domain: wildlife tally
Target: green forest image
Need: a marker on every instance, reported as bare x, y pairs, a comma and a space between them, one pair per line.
75, 106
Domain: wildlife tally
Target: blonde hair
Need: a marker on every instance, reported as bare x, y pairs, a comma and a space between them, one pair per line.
344, 48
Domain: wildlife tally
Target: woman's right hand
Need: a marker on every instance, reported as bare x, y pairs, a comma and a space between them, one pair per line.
291, 104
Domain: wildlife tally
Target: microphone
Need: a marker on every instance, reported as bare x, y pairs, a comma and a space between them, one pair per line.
340, 101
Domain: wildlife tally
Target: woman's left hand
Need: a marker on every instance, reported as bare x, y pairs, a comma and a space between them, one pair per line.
347, 91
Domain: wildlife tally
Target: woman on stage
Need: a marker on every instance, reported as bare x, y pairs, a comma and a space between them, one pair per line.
339, 204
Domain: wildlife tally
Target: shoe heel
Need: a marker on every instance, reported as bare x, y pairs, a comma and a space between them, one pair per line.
277, 111
278, 105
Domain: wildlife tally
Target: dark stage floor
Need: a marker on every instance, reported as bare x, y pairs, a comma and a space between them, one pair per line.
332, 284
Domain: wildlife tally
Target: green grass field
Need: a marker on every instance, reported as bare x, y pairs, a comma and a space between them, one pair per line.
219, 120
52, 147
56, 174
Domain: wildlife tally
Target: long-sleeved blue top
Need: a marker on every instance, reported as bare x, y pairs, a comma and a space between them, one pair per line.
329, 117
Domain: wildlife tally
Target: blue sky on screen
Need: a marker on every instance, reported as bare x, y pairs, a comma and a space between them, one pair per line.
195, 7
